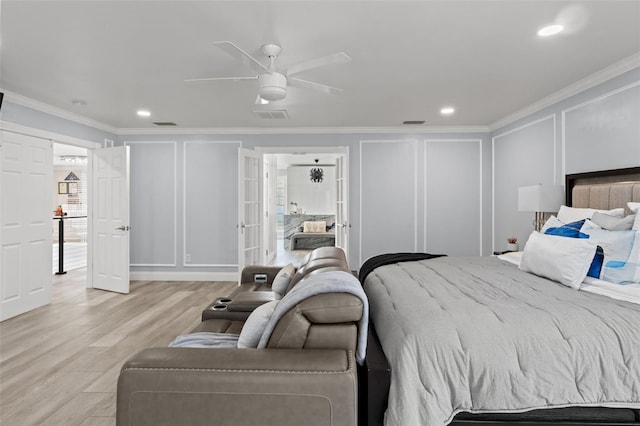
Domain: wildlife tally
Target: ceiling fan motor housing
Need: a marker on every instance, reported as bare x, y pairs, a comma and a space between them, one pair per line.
273, 87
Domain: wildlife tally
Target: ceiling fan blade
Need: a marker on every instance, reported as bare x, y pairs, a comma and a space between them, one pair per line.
241, 56
336, 58
315, 86
221, 78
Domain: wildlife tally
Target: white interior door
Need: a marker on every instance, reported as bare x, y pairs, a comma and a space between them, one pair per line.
270, 209
26, 203
342, 208
110, 211
249, 208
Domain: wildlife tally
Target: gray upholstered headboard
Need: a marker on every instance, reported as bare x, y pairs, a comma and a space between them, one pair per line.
603, 190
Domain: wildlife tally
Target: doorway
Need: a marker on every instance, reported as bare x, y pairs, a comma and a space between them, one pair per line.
70, 194
304, 201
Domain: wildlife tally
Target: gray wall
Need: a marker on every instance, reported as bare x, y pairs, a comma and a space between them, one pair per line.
389, 184
597, 129
449, 193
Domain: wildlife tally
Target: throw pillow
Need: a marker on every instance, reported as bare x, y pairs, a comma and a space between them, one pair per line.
571, 230
618, 266
635, 207
565, 260
573, 214
256, 323
282, 279
613, 223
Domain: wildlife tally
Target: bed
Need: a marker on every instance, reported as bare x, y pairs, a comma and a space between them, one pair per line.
477, 340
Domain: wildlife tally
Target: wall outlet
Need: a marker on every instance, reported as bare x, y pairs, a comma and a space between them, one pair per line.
187, 257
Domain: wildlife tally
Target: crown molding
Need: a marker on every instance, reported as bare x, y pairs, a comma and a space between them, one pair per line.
77, 118
47, 135
303, 130
588, 82
58, 112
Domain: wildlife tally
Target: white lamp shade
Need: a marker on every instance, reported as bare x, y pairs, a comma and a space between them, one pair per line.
540, 198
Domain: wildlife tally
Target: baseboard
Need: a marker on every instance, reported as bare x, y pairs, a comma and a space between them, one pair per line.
182, 276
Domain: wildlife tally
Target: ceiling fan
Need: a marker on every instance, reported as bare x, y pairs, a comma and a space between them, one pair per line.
272, 81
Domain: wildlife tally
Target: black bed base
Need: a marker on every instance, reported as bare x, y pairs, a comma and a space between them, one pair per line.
375, 377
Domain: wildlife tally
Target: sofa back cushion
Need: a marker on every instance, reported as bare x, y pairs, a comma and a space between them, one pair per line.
314, 265
324, 321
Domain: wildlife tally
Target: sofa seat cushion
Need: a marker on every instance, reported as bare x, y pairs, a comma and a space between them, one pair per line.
219, 326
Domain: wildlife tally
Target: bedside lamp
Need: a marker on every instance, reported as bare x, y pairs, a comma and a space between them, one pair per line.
539, 199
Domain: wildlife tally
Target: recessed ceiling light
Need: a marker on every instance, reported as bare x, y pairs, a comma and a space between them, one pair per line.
550, 30
413, 122
143, 113
447, 110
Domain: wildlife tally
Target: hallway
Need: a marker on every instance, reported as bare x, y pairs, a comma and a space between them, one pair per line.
74, 256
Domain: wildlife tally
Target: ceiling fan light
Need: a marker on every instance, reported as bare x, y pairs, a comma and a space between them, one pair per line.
550, 30
273, 87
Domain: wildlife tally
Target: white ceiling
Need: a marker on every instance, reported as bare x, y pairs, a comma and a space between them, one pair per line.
408, 58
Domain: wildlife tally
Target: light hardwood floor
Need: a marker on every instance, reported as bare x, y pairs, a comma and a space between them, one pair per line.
59, 364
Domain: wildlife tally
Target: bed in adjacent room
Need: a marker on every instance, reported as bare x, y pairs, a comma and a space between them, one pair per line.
480, 339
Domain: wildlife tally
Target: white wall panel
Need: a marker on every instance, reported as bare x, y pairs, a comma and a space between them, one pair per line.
388, 197
603, 133
521, 157
453, 176
153, 203
210, 203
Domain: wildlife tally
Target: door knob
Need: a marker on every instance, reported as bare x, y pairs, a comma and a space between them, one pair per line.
123, 228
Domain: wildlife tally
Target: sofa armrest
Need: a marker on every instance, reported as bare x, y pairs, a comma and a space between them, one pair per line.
163, 386
248, 301
249, 272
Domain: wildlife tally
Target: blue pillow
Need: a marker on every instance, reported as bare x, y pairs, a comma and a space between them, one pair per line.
570, 230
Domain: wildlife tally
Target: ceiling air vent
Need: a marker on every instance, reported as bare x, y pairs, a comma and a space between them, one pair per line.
272, 114
413, 122
164, 123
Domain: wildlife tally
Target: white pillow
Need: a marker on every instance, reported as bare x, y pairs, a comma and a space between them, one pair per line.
613, 223
552, 222
621, 253
254, 326
282, 279
635, 207
574, 214
319, 226
566, 260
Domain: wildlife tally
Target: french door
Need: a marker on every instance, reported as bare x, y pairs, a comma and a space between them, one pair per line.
249, 208
342, 207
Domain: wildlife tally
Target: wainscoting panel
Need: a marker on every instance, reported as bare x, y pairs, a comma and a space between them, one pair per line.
521, 157
210, 203
453, 197
153, 195
603, 133
388, 197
